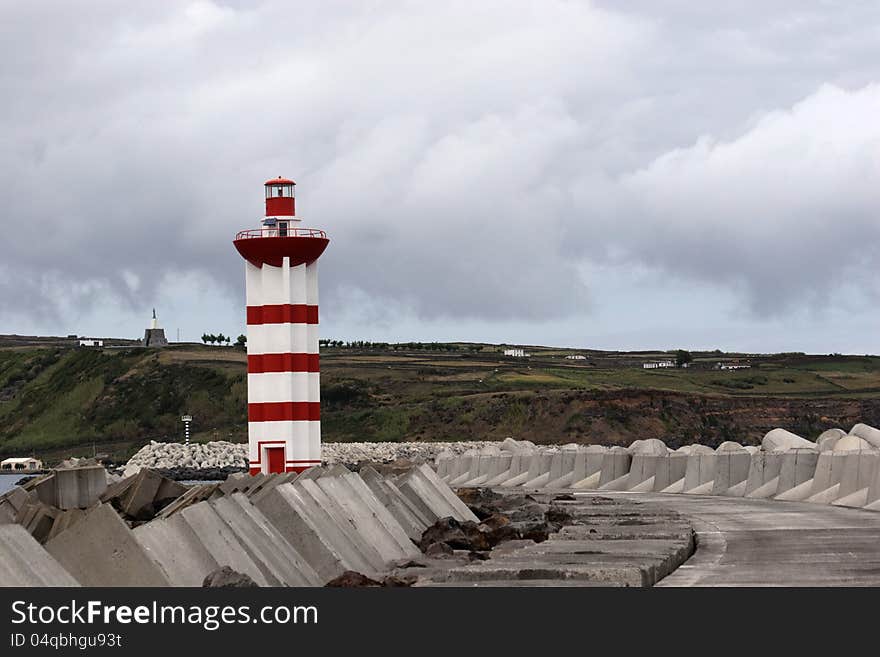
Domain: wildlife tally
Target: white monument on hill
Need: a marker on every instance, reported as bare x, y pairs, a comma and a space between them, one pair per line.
155, 336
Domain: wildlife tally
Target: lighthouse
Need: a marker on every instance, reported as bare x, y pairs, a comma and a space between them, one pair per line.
281, 276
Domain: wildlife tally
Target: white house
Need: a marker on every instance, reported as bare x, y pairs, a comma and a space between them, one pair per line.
90, 342
21, 464
516, 353
733, 366
576, 357
657, 364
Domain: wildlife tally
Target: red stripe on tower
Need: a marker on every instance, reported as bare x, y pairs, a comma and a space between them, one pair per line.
262, 363
284, 313
284, 411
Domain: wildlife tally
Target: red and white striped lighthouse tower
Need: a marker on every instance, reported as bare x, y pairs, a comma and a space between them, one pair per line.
284, 417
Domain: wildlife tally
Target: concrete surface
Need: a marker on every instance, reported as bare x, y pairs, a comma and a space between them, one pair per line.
749, 542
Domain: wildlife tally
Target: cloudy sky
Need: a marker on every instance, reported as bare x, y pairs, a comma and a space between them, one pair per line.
628, 174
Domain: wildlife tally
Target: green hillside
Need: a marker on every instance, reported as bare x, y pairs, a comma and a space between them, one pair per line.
57, 400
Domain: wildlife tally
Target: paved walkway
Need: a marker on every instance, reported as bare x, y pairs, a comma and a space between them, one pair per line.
744, 542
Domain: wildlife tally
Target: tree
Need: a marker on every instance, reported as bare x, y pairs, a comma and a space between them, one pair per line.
205, 338
241, 341
682, 358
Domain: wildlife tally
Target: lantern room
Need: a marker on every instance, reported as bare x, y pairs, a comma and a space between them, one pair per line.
280, 197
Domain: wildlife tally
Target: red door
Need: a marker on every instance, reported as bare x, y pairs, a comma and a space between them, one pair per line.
275, 459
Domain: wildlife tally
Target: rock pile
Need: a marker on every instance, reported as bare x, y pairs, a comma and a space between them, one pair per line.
225, 457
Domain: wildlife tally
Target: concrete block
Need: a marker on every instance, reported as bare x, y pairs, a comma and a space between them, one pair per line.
859, 472
764, 467
423, 483
266, 548
643, 467
562, 467
851, 444
539, 468
364, 514
24, 562
489, 466
670, 470
731, 469
17, 497
359, 549
780, 439
588, 461
221, 542
176, 548
796, 474
828, 439
310, 531
362, 492
867, 433
64, 520
700, 470
79, 488
194, 495
407, 515
829, 473
517, 473
615, 464
100, 550
468, 463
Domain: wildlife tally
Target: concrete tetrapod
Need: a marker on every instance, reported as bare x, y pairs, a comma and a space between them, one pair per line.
271, 553
519, 465
763, 479
562, 467
539, 468
221, 542
670, 471
867, 433
331, 511
646, 458
700, 472
24, 562
777, 439
405, 512
615, 468
308, 529
732, 462
588, 467
859, 472
795, 475
173, 545
828, 439
100, 550
432, 496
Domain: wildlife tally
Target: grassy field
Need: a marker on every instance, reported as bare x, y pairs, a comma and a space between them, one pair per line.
56, 399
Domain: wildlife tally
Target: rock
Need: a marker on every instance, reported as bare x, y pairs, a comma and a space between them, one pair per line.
457, 535
225, 578
350, 579
439, 550
399, 580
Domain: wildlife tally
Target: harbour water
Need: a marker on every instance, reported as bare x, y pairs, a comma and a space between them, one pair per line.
7, 481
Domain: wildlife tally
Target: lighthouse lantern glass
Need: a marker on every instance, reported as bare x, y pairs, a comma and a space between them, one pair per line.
279, 191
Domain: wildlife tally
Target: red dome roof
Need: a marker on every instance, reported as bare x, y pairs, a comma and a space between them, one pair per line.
278, 181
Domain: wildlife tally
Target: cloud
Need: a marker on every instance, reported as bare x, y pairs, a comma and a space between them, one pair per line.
787, 211
470, 161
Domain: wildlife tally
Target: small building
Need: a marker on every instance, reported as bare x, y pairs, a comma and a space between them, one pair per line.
576, 357
90, 342
21, 465
516, 353
658, 364
733, 366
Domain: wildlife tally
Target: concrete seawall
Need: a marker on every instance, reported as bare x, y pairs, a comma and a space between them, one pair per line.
839, 468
